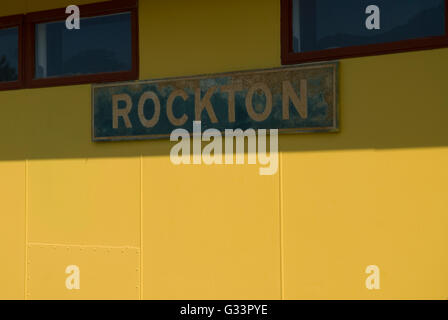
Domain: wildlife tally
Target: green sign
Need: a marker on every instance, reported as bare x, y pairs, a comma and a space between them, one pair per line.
290, 99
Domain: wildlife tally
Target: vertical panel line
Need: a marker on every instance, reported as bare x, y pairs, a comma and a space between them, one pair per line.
26, 229
141, 227
280, 178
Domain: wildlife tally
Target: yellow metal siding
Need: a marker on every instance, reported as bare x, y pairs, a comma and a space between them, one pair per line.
375, 193
179, 38
217, 237
84, 201
12, 229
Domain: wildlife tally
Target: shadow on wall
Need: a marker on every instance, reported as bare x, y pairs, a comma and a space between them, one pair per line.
390, 101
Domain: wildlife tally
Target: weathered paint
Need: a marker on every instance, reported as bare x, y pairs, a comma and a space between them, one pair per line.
298, 99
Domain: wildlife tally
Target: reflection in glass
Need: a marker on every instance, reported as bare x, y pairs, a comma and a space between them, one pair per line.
326, 24
9, 57
102, 44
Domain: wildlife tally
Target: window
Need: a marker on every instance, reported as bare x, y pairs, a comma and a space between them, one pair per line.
102, 45
314, 30
104, 49
10, 48
9, 54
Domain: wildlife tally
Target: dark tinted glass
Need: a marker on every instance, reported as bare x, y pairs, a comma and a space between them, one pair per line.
9, 57
102, 44
326, 24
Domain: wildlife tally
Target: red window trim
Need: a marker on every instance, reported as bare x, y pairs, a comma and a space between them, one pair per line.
26, 24
11, 22
290, 57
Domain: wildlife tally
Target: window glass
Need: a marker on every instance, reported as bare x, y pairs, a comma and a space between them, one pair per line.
9, 57
327, 24
102, 44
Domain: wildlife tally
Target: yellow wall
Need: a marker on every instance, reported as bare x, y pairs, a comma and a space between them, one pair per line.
140, 227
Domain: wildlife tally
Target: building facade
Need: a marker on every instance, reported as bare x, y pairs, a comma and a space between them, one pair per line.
139, 227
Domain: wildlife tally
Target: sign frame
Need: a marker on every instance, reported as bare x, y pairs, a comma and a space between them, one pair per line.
329, 129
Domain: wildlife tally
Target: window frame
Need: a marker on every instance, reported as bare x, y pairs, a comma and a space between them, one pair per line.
15, 21
288, 56
26, 24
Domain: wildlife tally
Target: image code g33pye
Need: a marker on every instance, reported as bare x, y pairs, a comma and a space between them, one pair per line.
224, 159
